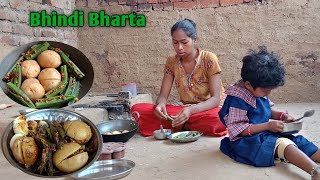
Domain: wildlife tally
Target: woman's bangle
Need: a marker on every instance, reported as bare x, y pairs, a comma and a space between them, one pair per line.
249, 130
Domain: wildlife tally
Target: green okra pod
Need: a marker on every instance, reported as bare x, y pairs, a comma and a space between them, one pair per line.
11, 73
35, 50
18, 77
20, 95
70, 86
56, 101
61, 86
75, 92
169, 118
71, 66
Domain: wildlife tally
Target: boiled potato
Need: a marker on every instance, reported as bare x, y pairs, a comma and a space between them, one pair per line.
49, 59
33, 89
116, 132
30, 69
49, 78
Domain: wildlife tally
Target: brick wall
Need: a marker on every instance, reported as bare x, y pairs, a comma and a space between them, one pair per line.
14, 22
165, 5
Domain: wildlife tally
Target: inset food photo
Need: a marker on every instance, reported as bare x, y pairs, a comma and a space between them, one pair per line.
46, 74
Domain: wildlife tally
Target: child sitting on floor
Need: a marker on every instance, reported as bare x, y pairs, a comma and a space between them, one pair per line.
253, 139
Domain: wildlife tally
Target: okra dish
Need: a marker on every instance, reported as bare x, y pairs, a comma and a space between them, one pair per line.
44, 77
52, 148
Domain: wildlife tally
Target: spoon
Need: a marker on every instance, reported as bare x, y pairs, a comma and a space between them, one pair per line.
306, 114
161, 127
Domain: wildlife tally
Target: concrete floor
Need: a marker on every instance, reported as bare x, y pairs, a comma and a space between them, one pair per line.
197, 160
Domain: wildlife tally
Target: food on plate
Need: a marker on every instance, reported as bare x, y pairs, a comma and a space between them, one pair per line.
117, 132
49, 59
20, 125
25, 150
186, 135
78, 130
70, 157
33, 89
14, 137
42, 62
49, 78
30, 69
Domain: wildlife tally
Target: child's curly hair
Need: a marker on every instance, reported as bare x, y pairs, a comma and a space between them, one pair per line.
262, 69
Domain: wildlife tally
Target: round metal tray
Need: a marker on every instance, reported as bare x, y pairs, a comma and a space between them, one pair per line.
59, 115
188, 136
107, 169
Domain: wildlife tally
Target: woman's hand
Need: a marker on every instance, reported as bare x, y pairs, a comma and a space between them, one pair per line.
160, 111
182, 117
275, 126
287, 118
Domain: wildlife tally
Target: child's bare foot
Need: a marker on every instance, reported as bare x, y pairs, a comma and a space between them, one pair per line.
315, 173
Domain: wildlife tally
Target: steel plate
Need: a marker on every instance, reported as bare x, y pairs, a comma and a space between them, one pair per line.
107, 169
174, 137
59, 115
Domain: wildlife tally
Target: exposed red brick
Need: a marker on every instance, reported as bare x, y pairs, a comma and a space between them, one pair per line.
48, 33
163, 1
93, 3
21, 5
144, 7
168, 6
37, 1
142, 1
113, 2
175, 0
9, 39
185, 5
122, 2
157, 7
230, 2
5, 26
81, 3
22, 29
132, 2
8, 14
51, 2
207, 3
187, 0
153, 1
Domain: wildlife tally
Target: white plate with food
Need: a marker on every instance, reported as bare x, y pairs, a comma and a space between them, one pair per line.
185, 136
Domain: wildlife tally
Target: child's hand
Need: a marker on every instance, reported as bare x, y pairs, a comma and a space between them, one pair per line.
287, 118
275, 126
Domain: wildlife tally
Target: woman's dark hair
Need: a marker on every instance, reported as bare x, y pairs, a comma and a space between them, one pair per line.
187, 25
262, 69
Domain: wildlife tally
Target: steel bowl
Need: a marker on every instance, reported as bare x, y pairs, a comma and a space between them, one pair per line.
292, 127
117, 125
75, 55
159, 135
59, 115
107, 169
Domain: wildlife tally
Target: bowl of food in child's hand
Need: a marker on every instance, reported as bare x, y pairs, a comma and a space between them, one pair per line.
291, 127
117, 130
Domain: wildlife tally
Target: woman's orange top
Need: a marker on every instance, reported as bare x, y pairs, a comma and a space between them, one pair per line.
194, 88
